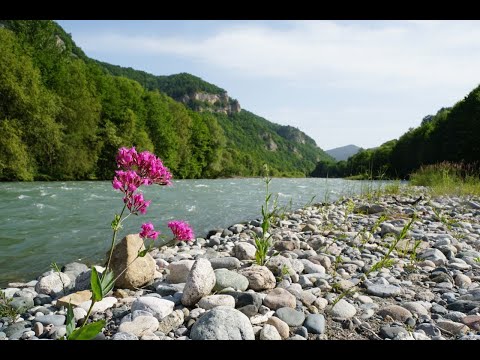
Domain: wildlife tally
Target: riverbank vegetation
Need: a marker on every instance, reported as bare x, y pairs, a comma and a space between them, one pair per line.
64, 116
450, 136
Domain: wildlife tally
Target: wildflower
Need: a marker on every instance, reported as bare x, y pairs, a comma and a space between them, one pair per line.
148, 231
126, 158
181, 230
136, 204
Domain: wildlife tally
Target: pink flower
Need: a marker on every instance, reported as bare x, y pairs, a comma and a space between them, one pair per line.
126, 158
136, 204
181, 230
152, 169
148, 231
127, 181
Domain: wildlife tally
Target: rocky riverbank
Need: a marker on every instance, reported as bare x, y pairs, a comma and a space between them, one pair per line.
427, 288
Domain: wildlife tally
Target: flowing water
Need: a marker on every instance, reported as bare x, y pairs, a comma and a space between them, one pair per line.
45, 222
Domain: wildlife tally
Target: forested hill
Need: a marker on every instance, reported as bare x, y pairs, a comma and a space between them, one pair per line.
452, 134
63, 116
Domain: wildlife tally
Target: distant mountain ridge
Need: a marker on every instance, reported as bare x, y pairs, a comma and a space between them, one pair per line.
343, 152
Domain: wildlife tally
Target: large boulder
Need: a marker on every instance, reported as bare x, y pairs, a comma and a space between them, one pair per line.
200, 282
140, 271
223, 323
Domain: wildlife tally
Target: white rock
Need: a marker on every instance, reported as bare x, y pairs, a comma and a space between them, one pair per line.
260, 319
342, 309
269, 332
179, 271
100, 306
245, 251
159, 308
211, 301
200, 282
311, 268
53, 284
139, 326
79, 313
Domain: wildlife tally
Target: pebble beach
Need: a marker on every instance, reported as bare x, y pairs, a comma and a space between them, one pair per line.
318, 283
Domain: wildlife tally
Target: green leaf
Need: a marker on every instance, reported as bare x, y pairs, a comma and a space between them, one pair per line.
87, 332
70, 320
96, 285
107, 282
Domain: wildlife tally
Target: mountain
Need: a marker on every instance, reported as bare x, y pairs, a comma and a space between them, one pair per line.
343, 152
65, 115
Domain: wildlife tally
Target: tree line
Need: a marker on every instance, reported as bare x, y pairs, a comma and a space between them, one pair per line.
450, 135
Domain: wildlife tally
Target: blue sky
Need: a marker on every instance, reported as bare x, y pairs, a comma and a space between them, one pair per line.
341, 82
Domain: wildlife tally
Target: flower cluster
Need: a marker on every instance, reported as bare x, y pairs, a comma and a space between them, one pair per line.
181, 230
148, 231
147, 166
137, 204
137, 169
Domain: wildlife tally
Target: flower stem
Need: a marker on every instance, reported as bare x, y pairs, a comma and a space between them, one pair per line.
88, 313
114, 236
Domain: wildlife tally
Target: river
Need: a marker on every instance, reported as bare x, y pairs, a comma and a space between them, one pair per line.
45, 222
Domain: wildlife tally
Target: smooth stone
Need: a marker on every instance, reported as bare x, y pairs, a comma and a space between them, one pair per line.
73, 270
79, 313
229, 263
74, 299
312, 268
211, 301
225, 278
246, 298
429, 329
56, 320
53, 284
296, 337
222, 323
269, 332
278, 298
99, 306
15, 328
42, 299
392, 332
462, 281
315, 323
290, 316
259, 278
415, 308
200, 282
395, 312
38, 328
244, 251
139, 325
342, 309
165, 289
124, 336
171, 322
159, 308
281, 326
22, 303
472, 321
178, 271
452, 327
384, 290
434, 255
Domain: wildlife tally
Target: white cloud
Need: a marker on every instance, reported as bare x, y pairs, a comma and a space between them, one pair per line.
415, 67
352, 54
